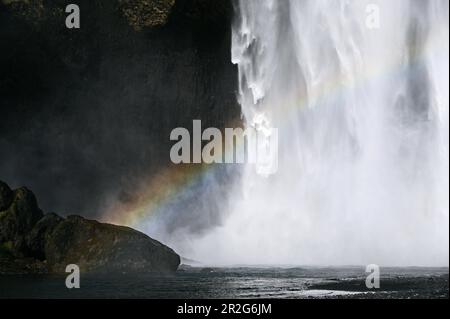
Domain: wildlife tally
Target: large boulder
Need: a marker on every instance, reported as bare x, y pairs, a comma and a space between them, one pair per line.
95, 246
29, 239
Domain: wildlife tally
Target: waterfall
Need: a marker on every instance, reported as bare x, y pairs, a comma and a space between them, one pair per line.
358, 91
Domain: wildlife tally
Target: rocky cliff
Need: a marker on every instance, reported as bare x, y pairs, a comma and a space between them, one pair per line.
86, 113
34, 242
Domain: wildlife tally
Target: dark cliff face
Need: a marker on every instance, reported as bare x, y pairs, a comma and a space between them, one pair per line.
86, 114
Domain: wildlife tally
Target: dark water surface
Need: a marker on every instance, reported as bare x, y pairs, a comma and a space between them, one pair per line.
239, 282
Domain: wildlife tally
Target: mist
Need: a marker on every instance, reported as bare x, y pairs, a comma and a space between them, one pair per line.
362, 115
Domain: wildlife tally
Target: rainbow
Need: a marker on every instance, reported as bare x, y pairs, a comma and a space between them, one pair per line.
158, 191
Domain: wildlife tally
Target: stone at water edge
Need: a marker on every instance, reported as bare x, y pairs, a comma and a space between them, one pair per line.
95, 246
50, 240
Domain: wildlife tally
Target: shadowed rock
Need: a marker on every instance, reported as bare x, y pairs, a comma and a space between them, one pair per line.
18, 219
33, 242
6, 196
41, 234
139, 14
146, 13
96, 246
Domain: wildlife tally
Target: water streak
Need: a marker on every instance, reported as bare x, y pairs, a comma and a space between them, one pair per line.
362, 115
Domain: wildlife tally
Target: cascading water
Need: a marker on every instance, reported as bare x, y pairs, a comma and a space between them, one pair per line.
361, 108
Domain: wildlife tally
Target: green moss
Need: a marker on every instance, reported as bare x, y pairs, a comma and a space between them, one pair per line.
6, 247
146, 13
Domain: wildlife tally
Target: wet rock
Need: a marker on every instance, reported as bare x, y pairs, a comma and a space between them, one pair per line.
139, 14
33, 242
95, 246
146, 13
18, 220
41, 233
